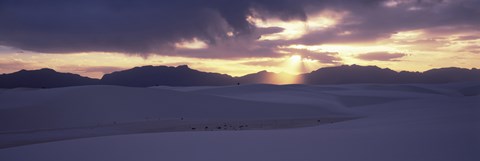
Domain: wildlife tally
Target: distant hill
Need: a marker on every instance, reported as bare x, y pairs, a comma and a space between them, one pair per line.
347, 74
147, 76
43, 78
446, 75
169, 76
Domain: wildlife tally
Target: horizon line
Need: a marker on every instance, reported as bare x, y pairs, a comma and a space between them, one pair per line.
397, 71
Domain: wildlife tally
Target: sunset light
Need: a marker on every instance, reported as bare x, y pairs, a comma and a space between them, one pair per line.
239, 80
296, 59
192, 44
261, 38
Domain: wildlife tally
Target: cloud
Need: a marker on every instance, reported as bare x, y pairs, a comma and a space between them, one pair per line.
9, 50
101, 69
265, 63
475, 49
323, 57
269, 30
380, 56
91, 69
144, 27
468, 37
378, 21
140, 27
8, 66
229, 49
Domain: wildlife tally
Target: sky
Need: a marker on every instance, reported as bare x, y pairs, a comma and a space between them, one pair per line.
94, 37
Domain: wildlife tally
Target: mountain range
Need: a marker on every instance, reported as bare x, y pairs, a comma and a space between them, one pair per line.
43, 78
147, 76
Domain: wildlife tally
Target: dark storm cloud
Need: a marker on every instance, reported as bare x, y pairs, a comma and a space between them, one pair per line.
243, 46
153, 26
141, 26
269, 30
381, 56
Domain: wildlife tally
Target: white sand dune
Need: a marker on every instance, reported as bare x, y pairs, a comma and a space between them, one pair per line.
334, 97
289, 94
470, 91
88, 111
399, 122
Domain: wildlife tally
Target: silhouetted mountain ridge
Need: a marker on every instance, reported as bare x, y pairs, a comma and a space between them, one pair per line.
184, 76
162, 75
350, 74
43, 78
452, 74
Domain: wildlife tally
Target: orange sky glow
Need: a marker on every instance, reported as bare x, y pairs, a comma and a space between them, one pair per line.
416, 49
